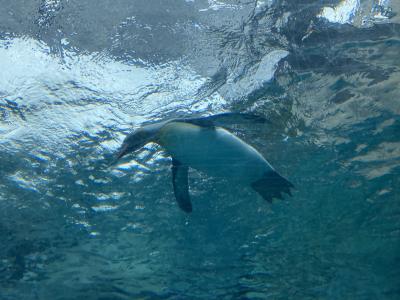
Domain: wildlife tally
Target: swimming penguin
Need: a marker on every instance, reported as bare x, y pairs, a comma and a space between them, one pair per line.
201, 143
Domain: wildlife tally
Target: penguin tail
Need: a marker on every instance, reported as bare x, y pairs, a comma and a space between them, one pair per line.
272, 185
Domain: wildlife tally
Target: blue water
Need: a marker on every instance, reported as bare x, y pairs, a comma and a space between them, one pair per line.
77, 76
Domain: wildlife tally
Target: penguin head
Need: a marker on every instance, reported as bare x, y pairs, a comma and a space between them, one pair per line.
136, 140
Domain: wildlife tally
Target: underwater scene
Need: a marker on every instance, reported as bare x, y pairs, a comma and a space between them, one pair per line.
199, 149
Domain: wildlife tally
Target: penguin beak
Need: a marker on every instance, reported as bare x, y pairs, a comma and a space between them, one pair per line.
122, 152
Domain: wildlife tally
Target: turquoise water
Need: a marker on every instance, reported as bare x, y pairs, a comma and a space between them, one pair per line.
76, 77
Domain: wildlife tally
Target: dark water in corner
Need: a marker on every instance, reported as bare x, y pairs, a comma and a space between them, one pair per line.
76, 76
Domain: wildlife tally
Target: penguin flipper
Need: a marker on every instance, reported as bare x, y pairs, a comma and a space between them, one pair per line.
226, 120
181, 186
272, 185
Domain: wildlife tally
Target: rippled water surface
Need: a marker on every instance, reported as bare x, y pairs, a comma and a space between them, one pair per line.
77, 76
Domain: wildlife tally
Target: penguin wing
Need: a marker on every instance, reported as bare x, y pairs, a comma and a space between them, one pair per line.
225, 120
181, 186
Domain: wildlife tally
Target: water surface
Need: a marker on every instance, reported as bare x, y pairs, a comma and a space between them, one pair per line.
77, 76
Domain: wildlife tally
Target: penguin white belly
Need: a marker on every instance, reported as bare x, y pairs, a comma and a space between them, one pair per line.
214, 151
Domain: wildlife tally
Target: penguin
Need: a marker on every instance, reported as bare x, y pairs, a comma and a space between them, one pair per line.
205, 144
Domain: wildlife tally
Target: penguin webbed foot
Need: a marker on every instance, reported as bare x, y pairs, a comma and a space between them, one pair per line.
272, 185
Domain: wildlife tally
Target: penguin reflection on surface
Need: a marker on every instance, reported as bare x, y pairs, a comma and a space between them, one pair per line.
200, 144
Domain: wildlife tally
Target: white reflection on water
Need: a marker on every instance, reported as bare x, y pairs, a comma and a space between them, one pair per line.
343, 13
54, 98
